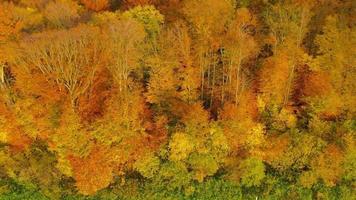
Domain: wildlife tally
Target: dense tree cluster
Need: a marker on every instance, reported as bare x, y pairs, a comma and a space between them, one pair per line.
177, 99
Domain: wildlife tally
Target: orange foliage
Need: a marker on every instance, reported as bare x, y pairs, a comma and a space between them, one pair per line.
39, 4
229, 111
317, 84
92, 104
46, 55
246, 109
61, 13
274, 77
93, 172
329, 165
276, 146
37, 84
9, 25
170, 9
133, 3
96, 5
194, 113
18, 141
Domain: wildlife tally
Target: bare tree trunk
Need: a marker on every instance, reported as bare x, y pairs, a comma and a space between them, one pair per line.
202, 75
223, 78
213, 82
238, 78
208, 86
2, 74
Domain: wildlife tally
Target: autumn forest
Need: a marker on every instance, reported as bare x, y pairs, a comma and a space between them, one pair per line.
177, 99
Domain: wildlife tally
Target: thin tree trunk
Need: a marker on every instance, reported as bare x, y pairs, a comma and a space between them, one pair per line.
213, 83
238, 78
223, 79
202, 76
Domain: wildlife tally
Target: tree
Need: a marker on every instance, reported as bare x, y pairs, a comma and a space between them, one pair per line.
34, 168
297, 152
273, 78
70, 59
93, 172
180, 146
208, 20
203, 165
125, 43
172, 71
173, 175
337, 61
133, 3
252, 172
96, 5
288, 26
239, 45
61, 13
149, 17
328, 165
349, 160
14, 20
217, 189
148, 165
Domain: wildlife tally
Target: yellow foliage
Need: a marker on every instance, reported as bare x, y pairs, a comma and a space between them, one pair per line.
203, 165
3, 137
261, 104
256, 135
180, 146
63, 165
286, 116
147, 165
328, 107
308, 179
220, 145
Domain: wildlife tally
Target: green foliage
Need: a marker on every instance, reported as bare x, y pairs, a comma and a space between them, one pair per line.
216, 189
252, 172
173, 175
11, 190
349, 164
